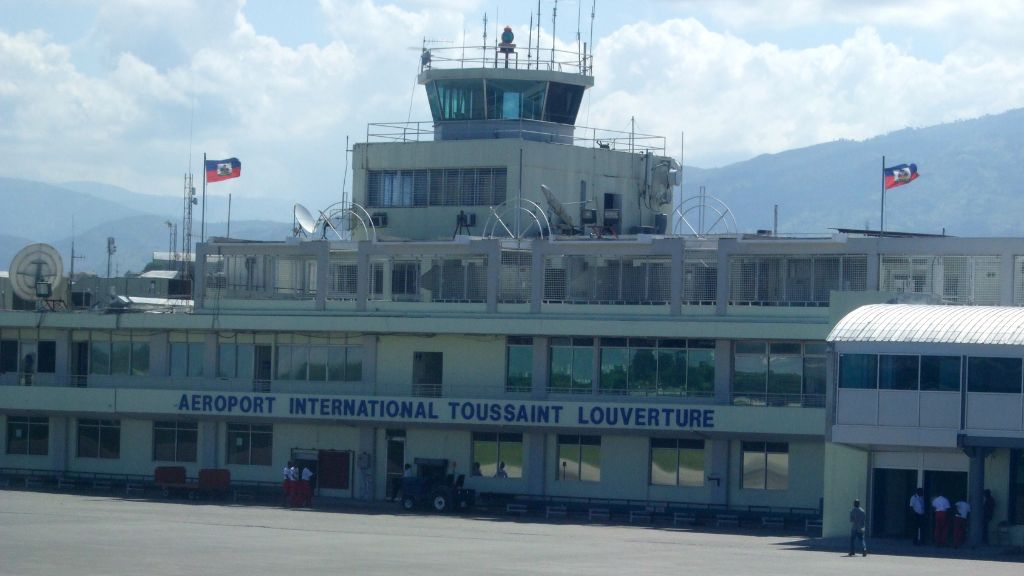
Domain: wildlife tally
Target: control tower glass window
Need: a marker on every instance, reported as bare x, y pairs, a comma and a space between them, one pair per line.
457, 100
563, 103
513, 100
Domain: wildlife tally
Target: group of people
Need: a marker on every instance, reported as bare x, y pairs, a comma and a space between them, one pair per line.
499, 473
947, 530
297, 487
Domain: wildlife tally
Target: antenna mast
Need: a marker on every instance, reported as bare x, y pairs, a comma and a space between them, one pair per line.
554, 21
593, 9
538, 34
529, 45
186, 227
484, 48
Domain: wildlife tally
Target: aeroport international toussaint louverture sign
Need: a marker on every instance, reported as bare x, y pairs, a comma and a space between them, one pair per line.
450, 411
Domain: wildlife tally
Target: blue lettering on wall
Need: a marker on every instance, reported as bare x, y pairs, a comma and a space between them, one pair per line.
473, 411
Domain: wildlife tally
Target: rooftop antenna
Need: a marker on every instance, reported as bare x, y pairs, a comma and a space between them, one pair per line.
593, 9
484, 48
71, 277
554, 21
538, 34
529, 45
186, 226
579, 39
344, 177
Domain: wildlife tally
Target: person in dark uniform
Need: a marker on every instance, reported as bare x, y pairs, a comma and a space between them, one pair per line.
858, 525
988, 508
917, 505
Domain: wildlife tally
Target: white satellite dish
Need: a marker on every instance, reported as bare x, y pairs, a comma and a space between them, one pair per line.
305, 219
36, 272
557, 207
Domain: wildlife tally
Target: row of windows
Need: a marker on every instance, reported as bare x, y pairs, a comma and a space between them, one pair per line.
28, 356
778, 372
99, 356
775, 372
673, 462
929, 373
173, 441
436, 187
633, 366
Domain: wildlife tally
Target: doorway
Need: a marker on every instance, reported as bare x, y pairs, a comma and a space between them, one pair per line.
890, 502
395, 461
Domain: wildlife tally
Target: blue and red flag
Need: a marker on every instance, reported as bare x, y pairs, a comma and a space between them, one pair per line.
217, 170
899, 175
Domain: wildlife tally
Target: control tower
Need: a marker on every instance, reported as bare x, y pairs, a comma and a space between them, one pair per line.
504, 156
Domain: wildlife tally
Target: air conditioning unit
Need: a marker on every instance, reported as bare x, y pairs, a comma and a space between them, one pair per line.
379, 219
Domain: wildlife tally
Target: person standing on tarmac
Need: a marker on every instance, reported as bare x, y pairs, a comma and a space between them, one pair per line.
858, 525
287, 483
917, 505
307, 486
941, 505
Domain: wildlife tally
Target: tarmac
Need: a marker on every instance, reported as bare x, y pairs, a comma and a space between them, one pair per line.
44, 533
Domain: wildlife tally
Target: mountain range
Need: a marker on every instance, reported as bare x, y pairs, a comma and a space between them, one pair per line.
971, 184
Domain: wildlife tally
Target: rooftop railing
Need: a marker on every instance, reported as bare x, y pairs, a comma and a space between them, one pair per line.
519, 58
583, 136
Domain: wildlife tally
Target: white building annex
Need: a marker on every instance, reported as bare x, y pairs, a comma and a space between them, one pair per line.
510, 291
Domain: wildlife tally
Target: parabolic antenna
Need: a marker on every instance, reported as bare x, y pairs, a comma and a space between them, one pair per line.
36, 272
305, 219
557, 207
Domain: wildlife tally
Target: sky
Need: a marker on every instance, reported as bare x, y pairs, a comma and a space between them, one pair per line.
134, 92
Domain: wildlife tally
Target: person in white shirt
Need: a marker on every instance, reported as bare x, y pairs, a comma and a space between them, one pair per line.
307, 486
917, 505
963, 510
287, 479
941, 506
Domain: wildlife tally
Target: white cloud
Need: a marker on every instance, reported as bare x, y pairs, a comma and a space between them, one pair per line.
115, 104
735, 99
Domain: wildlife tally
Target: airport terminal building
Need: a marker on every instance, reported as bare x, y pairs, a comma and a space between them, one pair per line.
584, 340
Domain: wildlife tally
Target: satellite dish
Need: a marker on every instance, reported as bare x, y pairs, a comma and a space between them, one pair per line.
557, 206
306, 221
37, 272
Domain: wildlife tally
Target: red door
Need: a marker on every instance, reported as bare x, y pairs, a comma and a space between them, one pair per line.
335, 469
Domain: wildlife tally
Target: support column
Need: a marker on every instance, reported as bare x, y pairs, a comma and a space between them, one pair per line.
723, 375
976, 489
60, 440
717, 477
535, 450
208, 444
365, 465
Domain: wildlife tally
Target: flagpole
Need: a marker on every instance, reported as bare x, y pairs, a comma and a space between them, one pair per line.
203, 227
881, 223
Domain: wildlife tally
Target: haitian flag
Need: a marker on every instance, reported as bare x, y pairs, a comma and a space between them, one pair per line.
217, 170
899, 175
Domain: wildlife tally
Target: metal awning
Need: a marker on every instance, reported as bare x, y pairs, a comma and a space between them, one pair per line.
1001, 325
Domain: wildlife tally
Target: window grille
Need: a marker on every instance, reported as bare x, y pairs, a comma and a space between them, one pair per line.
295, 276
343, 277
515, 277
458, 279
700, 277
798, 280
436, 187
1018, 280
969, 280
576, 279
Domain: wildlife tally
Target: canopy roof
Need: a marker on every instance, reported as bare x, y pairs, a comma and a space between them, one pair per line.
937, 324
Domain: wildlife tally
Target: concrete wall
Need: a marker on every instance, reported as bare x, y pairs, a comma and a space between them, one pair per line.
472, 366
846, 479
805, 487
